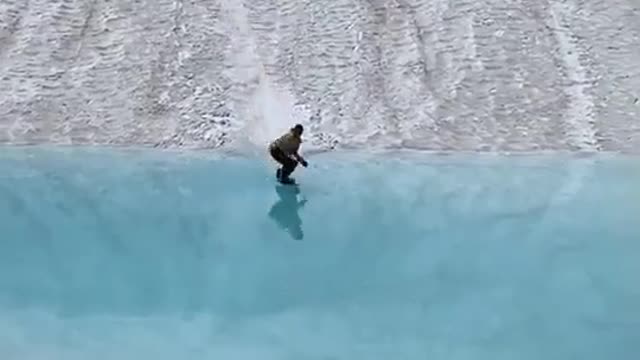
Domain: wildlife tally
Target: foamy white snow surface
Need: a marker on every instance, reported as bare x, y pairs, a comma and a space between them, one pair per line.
432, 74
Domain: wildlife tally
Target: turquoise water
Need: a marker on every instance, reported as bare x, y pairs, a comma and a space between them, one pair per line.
135, 254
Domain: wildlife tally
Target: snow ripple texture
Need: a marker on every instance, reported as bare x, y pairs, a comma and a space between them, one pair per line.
488, 75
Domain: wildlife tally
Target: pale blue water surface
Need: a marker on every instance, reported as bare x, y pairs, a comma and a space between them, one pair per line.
139, 255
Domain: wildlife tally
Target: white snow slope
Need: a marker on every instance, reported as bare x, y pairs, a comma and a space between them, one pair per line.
487, 75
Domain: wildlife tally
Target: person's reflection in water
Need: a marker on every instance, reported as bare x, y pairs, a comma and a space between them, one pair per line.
285, 211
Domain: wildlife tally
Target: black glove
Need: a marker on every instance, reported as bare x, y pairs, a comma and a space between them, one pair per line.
304, 163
